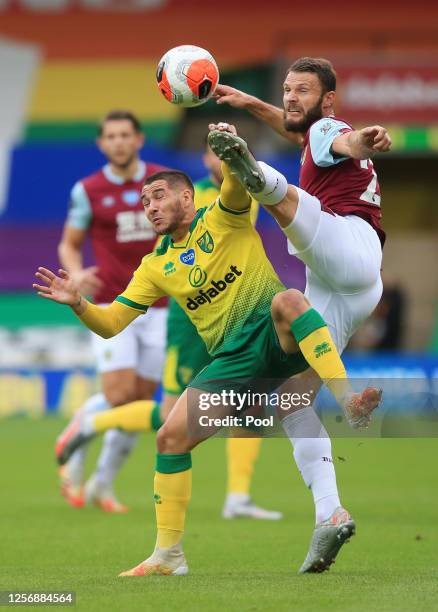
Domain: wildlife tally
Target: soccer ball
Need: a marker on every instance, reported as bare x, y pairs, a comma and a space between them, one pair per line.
187, 75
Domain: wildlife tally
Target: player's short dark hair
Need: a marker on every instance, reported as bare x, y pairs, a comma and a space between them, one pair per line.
319, 66
174, 178
120, 115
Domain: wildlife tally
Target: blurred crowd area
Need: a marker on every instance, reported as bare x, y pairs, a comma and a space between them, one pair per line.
65, 63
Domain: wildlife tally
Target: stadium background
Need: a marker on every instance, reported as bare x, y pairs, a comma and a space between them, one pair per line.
63, 64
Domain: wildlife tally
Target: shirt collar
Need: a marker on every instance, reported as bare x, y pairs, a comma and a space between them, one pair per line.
118, 180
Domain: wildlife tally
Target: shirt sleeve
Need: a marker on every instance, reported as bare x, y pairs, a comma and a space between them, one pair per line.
141, 291
321, 137
108, 321
79, 213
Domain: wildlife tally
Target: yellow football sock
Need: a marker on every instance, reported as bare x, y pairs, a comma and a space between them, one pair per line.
319, 350
142, 415
242, 454
233, 194
172, 492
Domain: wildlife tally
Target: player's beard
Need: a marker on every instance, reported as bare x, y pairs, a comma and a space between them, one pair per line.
312, 115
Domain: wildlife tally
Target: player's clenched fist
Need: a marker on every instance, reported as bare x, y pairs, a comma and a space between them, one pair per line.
229, 95
376, 138
57, 288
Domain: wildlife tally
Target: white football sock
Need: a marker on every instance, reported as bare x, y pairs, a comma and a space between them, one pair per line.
275, 188
76, 464
236, 499
117, 446
313, 456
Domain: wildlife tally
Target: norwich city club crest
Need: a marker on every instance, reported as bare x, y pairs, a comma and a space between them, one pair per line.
206, 243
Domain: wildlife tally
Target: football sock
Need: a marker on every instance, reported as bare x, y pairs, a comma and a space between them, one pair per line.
313, 456
242, 454
76, 464
172, 492
117, 446
142, 415
275, 188
233, 194
317, 346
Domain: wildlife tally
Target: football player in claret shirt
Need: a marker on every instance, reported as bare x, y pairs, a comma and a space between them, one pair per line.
213, 263
332, 220
106, 206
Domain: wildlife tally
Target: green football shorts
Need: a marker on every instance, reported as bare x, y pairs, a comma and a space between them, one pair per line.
253, 360
186, 353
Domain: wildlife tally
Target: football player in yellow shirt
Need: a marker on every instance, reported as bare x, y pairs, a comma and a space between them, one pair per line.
186, 355
213, 263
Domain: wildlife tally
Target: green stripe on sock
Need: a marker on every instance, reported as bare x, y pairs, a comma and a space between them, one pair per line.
171, 464
156, 421
306, 324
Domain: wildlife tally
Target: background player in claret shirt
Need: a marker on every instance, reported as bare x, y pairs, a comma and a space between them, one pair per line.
107, 207
332, 223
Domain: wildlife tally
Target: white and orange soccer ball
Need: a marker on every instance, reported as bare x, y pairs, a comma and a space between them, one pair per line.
187, 75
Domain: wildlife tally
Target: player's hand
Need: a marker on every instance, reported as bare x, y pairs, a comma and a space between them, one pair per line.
87, 280
223, 127
60, 288
376, 138
229, 95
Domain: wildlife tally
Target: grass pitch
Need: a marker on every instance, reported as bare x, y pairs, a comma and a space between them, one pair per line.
390, 486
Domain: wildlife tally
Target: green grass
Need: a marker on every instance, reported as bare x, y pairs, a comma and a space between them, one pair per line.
390, 486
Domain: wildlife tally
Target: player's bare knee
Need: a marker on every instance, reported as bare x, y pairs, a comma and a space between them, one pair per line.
288, 305
117, 396
170, 440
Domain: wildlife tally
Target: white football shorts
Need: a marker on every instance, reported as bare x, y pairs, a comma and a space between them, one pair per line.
343, 258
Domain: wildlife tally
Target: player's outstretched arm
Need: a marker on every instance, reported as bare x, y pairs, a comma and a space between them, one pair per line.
269, 114
106, 321
361, 144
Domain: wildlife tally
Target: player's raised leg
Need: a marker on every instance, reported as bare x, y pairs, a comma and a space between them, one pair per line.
299, 325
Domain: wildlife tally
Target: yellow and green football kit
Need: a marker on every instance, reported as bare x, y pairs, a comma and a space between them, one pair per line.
186, 353
221, 278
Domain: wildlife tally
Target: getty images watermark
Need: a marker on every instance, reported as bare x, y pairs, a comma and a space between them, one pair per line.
253, 407
241, 404
409, 408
